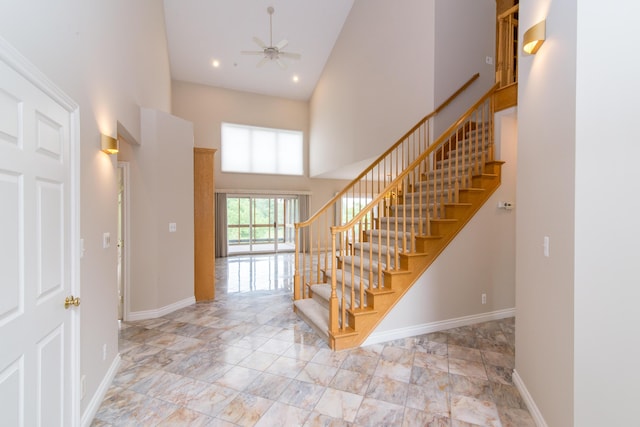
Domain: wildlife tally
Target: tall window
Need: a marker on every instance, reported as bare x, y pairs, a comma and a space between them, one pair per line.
250, 149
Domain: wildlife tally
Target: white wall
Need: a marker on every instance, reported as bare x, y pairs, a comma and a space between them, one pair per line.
161, 192
546, 207
377, 83
481, 259
207, 107
110, 57
465, 34
607, 202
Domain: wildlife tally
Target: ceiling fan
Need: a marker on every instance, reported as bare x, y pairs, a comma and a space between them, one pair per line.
271, 52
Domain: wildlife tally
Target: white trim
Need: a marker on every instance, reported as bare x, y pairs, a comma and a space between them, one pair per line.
125, 134
126, 236
162, 311
14, 59
427, 328
22, 66
98, 396
528, 400
265, 192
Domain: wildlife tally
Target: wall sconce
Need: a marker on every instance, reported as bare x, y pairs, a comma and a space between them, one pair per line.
109, 145
534, 37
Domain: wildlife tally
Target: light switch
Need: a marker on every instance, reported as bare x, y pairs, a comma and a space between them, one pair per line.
172, 227
106, 240
545, 244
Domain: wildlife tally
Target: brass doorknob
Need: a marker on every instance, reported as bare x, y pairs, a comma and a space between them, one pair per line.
70, 300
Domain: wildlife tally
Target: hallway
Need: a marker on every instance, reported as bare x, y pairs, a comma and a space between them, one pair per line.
246, 359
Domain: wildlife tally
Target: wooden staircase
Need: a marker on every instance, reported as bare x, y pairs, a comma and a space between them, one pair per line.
401, 213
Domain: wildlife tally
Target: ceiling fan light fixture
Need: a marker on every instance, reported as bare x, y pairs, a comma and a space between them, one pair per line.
272, 52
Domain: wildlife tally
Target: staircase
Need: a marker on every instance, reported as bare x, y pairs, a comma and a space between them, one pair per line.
359, 254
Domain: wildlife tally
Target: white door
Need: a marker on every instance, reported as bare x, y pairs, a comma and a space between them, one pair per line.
38, 255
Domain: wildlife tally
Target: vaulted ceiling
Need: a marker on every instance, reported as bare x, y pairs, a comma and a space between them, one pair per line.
200, 32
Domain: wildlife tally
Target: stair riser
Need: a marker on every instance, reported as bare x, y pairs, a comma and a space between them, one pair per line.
415, 213
439, 183
443, 228
460, 163
471, 196
350, 282
484, 180
324, 302
371, 275
446, 196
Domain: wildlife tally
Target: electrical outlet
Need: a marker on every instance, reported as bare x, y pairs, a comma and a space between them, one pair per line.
106, 240
489, 60
484, 298
172, 227
505, 205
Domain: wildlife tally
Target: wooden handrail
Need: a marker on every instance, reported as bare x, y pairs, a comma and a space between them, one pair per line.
450, 99
339, 195
509, 11
394, 184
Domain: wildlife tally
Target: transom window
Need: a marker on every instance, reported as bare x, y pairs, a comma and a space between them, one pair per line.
250, 149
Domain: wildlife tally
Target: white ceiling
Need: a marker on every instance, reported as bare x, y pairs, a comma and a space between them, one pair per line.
199, 31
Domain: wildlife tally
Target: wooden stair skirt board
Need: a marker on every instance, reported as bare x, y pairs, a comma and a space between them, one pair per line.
378, 301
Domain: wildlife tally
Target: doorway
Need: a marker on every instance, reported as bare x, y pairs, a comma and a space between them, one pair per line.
123, 240
261, 223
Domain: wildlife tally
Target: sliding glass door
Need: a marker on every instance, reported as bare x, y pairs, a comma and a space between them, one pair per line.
261, 223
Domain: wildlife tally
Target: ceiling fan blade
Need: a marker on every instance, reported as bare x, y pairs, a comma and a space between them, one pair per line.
259, 42
262, 62
283, 43
281, 64
290, 55
252, 52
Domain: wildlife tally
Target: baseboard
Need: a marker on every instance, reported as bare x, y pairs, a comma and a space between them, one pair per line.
93, 406
427, 328
159, 312
528, 400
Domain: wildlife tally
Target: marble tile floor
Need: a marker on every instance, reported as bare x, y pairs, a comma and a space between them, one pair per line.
246, 359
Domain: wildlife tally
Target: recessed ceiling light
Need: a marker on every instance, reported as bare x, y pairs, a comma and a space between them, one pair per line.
215, 63
296, 79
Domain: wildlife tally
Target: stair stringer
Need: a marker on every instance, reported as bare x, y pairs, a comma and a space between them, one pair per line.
413, 266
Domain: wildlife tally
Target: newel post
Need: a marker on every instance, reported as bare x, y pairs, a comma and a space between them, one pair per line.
333, 299
296, 274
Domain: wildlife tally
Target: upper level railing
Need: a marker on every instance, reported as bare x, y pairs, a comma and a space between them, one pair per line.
507, 48
313, 237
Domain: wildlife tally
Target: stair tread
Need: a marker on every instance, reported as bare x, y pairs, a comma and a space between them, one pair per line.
348, 280
315, 313
324, 291
373, 248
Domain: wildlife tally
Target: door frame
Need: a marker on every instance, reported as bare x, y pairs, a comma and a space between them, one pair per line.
126, 237
21, 65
